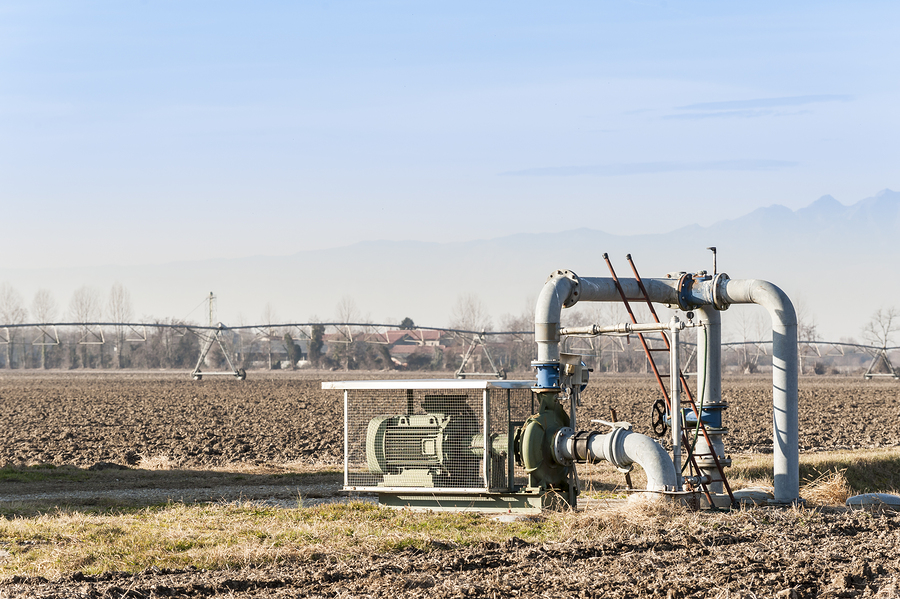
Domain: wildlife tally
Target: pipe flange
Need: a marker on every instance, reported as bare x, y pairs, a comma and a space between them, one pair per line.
718, 291
572, 299
559, 441
684, 292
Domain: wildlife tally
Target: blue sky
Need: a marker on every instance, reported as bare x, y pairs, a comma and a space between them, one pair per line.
145, 132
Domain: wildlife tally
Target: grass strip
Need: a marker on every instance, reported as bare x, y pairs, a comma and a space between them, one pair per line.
234, 535
865, 471
216, 536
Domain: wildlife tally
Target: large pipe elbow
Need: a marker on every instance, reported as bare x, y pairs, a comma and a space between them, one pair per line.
623, 447
560, 290
785, 413
765, 294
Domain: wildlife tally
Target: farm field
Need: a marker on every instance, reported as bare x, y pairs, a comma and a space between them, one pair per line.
97, 444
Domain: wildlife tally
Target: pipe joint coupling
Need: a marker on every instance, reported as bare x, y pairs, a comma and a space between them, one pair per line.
718, 291
614, 452
580, 444
685, 285
562, 449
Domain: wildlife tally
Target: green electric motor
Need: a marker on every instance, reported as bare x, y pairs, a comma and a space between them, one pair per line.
440, 448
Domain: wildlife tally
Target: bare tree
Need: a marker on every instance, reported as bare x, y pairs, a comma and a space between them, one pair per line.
44, 309
881, 328
807, 327
749, 327
84, 307
120, 310
469, 314
269, 317
11, 312
347, 310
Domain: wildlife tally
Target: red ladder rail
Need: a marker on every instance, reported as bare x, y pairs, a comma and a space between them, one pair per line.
662, 386
684, 385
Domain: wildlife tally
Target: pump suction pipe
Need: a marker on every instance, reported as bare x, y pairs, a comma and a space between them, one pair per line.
564, 289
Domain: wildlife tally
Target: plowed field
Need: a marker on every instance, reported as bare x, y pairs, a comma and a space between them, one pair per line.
83, 419
217, 427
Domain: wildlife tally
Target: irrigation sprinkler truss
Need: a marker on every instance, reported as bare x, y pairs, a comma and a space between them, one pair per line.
92, 333
824, 349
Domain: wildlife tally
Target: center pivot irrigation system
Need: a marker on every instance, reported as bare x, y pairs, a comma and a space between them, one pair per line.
92, 333
513, 446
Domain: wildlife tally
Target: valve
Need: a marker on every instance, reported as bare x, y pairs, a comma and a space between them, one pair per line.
658, 418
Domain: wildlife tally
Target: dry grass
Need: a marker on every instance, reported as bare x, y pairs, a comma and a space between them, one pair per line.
826, 476
235, 535
635, 520
829, 489
242, 535
158, 462
221, 536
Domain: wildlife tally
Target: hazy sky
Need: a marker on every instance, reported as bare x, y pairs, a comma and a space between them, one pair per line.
142, 132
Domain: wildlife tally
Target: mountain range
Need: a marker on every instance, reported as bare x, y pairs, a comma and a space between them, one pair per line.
840, 262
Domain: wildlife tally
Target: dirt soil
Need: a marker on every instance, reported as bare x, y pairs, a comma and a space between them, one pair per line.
82, 419
759, 553
273, 425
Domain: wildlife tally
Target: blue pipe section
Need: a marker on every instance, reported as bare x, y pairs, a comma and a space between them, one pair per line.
547, 375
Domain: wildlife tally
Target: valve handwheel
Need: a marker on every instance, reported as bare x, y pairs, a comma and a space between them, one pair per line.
658, 418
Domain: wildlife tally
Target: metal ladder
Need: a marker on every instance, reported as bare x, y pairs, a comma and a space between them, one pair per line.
685, 440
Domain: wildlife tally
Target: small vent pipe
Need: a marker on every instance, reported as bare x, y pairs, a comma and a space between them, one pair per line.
564, 289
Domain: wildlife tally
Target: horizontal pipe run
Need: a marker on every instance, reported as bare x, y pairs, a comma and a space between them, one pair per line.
624, 328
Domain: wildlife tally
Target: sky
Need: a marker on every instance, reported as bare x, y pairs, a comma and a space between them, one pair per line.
143, 132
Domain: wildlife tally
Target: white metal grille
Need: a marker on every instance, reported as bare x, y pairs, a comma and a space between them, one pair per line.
434, 438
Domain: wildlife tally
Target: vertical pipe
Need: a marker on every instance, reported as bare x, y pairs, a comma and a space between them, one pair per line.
573, 405
709, 387
546, 316
675, 392
785, 416
709, 355
510, 443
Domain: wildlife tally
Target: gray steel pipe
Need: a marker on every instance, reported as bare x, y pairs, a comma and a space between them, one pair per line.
555, 293
709, 388
785, 416
564, 289
622, 448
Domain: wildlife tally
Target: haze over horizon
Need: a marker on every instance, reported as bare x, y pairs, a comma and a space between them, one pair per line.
809, 253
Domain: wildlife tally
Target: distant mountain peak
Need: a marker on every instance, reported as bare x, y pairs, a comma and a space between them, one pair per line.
826, 200
825, 207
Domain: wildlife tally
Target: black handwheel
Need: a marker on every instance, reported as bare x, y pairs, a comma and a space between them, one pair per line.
658, 418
